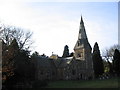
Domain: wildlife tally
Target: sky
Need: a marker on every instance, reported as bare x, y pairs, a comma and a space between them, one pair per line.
56, 24
119, 23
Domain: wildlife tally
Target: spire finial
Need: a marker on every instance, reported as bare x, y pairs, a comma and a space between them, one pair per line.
81, 22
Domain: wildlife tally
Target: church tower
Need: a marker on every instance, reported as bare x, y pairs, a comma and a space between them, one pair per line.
82, 47
82, 53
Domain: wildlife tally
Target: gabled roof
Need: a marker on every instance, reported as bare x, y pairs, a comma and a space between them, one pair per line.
62, 62
44, 62
52, 63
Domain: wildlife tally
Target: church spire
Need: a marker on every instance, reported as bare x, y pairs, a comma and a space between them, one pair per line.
82, 36
81, 20
82, 32
82, 46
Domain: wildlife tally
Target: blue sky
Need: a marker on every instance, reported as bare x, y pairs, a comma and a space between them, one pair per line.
56, 24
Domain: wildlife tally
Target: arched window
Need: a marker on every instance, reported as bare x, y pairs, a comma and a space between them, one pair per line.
78, 43
79, 55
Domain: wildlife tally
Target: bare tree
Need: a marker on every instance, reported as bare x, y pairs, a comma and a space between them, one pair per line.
8, 33
107, 54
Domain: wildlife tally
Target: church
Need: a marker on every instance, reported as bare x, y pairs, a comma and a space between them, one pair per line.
77, 66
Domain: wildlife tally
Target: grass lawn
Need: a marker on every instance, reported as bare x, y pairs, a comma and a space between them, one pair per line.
107, 83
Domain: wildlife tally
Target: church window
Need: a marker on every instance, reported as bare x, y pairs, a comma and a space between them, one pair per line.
79, 55
78, 43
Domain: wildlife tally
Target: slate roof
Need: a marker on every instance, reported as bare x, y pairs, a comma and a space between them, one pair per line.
62, 62
52, 63
82, 37
82, 43
44, 62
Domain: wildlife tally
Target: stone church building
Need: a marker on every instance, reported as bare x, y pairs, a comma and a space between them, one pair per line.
75, 67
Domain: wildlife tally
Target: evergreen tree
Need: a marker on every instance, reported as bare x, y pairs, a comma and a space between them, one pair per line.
35, 54
22, 65
34, 63
66, 51
116, 62
97, 61
8, 58
13, 48
17, 66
